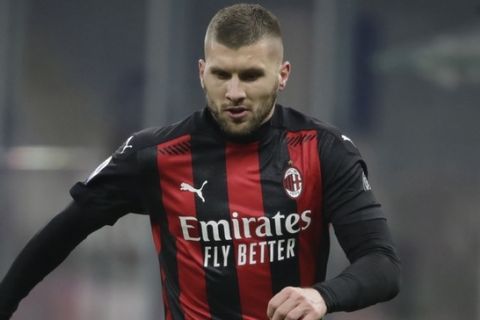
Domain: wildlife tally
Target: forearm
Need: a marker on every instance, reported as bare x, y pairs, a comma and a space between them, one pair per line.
374, 273
43, 253
371, 279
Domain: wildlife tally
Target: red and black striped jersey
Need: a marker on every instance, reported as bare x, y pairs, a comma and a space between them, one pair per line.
235, 220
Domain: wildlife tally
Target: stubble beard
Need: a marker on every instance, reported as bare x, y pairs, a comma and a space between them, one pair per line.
244, 128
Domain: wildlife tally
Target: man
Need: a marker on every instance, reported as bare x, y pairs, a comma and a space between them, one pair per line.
240, 197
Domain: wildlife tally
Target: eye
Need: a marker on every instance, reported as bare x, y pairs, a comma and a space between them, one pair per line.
251, 75
221, 74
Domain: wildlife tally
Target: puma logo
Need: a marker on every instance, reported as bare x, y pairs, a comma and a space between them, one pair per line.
186, 187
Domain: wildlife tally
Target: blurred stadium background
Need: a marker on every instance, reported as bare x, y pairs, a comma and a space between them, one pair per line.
402, 78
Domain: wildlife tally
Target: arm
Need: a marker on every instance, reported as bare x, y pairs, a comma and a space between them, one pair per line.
373, 276
45, 251
374, 273
110, 192
360, 226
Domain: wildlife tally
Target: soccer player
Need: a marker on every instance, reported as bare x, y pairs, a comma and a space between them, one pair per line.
240, 196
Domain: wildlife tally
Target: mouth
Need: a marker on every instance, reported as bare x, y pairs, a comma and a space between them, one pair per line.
237, 113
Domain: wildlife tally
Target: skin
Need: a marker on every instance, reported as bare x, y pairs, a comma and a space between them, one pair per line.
294, 303
241, 87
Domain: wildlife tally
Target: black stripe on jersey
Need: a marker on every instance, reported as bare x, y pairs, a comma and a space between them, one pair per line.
286, 272
222, 282
167, 258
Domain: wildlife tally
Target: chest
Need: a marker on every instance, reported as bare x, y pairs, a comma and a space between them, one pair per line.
244, 217
235, 188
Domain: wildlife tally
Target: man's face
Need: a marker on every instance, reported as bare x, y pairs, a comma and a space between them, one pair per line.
241, 84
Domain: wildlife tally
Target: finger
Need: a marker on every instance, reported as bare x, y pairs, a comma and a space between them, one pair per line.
297, 312
284, 309
313, 315
276, 301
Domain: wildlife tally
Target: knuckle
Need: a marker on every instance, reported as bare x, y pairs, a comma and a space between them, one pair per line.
282, 313
272, 305
291, 291
295, 316
287, 289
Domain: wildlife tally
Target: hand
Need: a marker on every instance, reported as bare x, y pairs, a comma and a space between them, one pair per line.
294, 303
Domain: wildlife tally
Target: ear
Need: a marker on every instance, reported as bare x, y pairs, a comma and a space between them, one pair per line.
201, 70
283, 75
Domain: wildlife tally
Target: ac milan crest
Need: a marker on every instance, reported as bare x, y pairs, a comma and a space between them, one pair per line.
293, 182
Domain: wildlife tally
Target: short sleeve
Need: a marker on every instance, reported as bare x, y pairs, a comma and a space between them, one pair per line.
348, 196
113, 187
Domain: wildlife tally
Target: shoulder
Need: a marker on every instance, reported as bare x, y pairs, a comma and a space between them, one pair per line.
150, 137
294, 120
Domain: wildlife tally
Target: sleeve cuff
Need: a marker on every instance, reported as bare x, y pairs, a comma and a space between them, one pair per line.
326, 295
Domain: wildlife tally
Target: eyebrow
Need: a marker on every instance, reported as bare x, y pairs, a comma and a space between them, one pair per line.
252, 70
217, 70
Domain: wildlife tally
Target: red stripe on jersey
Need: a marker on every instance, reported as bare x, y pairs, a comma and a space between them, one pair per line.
175, 168
245, 198
305, 157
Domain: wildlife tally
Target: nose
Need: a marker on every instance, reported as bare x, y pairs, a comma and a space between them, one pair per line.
235, 92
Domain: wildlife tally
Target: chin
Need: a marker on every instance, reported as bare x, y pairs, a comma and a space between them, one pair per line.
238, 131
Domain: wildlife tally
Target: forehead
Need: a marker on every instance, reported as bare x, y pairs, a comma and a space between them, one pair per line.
261, 54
